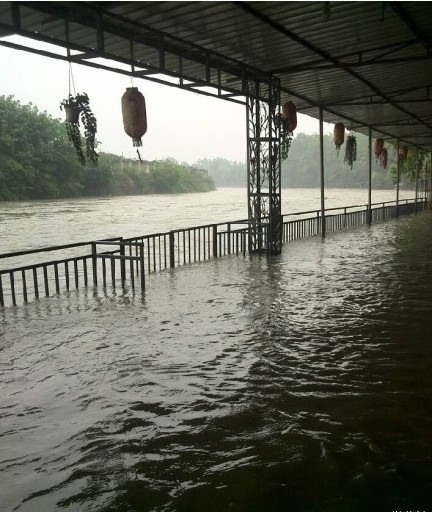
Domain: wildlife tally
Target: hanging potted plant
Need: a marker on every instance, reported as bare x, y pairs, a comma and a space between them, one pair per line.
77, 109
350, 150
383, 158
288, 123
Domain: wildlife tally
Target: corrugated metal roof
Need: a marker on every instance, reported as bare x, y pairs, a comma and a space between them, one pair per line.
368, 63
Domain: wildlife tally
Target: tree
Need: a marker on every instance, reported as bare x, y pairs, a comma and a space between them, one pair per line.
37, 161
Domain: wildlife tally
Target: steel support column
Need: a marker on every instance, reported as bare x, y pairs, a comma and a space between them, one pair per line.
321, 134
397, 179
264, 166
417, 172
430, 182
370, 179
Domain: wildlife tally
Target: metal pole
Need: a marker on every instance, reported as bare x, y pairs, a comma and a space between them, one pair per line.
430, 183
215, 241
397, 180
171, 249
122, 261
370, 179
321, 128
142, 266
417, 168
94, 263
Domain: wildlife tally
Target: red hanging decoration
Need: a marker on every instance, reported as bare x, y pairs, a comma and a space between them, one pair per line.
339, 135
134, 114
378, 147
403, 153
289, 116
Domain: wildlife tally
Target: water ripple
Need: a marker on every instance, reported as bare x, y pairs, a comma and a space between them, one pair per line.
302, 382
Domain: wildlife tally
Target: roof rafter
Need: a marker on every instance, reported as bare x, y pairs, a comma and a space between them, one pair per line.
291, 35
342, 65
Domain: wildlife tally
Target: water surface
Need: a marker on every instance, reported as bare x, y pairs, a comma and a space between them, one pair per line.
302, 382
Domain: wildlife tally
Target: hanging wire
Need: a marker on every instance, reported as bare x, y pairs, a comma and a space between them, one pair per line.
71, 80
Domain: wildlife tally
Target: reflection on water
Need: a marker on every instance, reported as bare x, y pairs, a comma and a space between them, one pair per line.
297, 383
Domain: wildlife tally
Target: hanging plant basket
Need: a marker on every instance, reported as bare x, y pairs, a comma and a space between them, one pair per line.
72, 114
350, 150
288, 123
383, 158
77, 110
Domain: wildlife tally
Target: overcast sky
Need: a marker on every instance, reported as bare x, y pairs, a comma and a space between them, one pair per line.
181, 124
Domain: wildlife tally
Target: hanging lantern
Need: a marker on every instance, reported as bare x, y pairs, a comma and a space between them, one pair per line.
134, 114
289, 116
339, 135
383, 158
378, 147
403, 153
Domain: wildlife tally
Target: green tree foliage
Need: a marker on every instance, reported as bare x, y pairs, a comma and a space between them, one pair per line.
38, 162
302, 168
224, 172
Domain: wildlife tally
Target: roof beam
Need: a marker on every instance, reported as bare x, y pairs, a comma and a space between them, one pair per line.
359, 55
391, 94
356, 103
362, 63
409, 22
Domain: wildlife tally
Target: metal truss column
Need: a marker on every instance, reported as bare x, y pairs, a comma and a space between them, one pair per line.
264, 166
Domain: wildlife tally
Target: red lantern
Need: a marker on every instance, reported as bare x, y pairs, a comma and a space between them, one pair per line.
383, 158
339, 135
134, 114
378, 147
289, 116
403, 153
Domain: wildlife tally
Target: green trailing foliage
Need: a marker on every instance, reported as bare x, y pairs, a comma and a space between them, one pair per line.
80, 106
37, 161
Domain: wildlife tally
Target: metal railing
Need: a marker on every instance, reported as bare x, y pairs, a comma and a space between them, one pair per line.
125, 261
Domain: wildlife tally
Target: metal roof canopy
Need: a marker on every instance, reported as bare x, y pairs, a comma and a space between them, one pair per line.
368, 64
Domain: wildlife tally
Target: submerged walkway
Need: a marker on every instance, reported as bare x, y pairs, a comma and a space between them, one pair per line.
299, 382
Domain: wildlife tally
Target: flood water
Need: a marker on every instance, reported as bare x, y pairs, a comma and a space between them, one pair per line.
298, 383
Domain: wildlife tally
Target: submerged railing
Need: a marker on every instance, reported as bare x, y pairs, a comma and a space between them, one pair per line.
126, 261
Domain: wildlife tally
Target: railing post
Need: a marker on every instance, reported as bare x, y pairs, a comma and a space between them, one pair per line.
142, 267
122, 261
215, 241
94, 263
172, 249
229, 237
1, 293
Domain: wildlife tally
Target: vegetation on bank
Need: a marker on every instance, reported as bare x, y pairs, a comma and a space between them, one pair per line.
302, 167
38, 162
